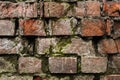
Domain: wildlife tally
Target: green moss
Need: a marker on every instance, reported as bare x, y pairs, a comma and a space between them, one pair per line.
62, 43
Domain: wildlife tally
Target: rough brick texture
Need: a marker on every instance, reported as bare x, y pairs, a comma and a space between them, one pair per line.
29, 65
59, 39
63, 65
93, 64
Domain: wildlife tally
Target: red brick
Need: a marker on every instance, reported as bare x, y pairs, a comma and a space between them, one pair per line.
80, 9
117, 41
93, 64
63, 26
32, 27
11, 10
7, 28
92, 8
111, 8
63, 65
107, 46
108, 27
92, 27
29, 65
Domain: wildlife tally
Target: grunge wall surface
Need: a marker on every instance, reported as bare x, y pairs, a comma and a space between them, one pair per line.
59, 40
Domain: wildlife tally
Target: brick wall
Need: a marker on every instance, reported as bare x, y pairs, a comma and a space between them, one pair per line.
59, 40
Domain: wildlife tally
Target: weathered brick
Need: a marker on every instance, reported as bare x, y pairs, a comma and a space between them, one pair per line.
92, 27
93, 64
117, 41
43, 45
80, 9
110, 77
92, 8
63, 65
116, 64
9, 46
63, 26
7, 28
15, 77
11, 10
55, 9
80, 47
32, 27
62, 0
111, 8
29, 65
109, 27
116, 30
8, 64
30, 10
107, 46
84, 77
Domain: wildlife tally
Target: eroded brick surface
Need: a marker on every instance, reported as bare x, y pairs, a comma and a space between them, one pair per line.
63, 26
110, 77
93, 64
43, 45
11, 10
92, 8
32, 27
63, 65
80, 47
9, 46
111, 8
84, 77
8, 64
92, 27
7, 28
29, 65
107, 46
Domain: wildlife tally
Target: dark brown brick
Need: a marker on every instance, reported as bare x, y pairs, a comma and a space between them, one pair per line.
32, 27
107, 46
115, 63
116, 29
92, 8
92, 27
63, 65
7, 28
93, 64
29, 65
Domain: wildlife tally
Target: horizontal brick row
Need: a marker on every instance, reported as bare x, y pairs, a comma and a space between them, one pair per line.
67, 65
60, 27
33, 9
